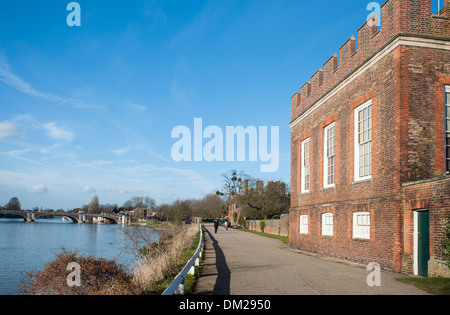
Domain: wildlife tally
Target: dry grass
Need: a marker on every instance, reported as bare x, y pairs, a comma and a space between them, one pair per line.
99, 276
159, 262
163, 260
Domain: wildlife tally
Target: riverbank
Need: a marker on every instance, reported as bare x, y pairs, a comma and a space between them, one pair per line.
163, 261
157, 225
26, 247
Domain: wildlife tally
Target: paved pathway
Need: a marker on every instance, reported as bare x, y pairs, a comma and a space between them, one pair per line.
241, 263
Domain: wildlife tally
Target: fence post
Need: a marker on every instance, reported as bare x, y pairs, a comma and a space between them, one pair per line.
177, 287
180, 289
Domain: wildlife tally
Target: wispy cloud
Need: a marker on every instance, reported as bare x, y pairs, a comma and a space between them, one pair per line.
58, 132
121, 152
8, 129
203, 24
151, 10
135, 106
16, 153
75, 99
8, 77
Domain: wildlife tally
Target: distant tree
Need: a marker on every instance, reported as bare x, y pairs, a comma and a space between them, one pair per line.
93, 206
140, 202
268, 204
234, 184
127, 205
149, 202
13, 204
137, 201
181, 211
210, 206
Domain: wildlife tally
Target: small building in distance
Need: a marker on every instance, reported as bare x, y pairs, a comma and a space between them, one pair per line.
197, 220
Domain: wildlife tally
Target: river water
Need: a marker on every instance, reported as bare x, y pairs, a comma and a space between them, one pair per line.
29, 246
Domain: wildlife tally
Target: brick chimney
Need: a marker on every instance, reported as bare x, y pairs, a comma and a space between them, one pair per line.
259, 186
282, 188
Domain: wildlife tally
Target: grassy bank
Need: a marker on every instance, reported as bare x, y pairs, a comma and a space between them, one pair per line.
160, 263
440, 286
164, 260
283, 239
157, 225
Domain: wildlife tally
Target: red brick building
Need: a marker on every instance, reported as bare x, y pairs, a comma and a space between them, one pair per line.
370, 144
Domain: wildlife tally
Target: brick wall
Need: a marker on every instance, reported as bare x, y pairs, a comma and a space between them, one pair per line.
398, 17
405, 84
432, 195
275, 227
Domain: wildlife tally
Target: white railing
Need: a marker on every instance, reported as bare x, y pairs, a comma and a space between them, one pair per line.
177, 285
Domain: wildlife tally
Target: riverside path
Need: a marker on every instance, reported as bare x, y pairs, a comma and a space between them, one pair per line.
242, 263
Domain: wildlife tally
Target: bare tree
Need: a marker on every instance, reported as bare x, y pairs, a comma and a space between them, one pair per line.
93, 206
164, 211
140, 202
13, 204
181, 211
234, 184
210, 206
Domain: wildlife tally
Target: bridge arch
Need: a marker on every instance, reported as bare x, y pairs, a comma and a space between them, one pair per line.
74, 218
17, 215
111, 219
30, 216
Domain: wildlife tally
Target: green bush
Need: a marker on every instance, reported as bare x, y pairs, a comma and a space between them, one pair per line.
242, 222
262, 225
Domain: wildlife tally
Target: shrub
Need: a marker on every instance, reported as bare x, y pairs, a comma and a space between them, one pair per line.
99, 276
242, 222
262, 225
235, 216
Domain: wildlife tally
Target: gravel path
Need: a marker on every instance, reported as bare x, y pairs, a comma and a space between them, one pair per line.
241, 263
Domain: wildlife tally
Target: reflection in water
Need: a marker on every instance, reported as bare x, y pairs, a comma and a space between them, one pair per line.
29, 246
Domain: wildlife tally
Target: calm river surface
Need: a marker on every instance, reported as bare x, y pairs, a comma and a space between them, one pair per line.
29, 246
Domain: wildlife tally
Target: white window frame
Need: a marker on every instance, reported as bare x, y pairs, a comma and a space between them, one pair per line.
303, 220
361, 224
326, 174
447, 128
306, 171
357, 144
327, 224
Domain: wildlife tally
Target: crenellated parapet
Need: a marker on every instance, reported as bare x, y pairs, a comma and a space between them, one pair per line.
398, 18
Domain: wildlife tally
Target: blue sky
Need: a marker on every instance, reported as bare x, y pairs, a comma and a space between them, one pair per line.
90, 110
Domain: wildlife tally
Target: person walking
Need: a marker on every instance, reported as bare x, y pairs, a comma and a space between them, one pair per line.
216, 225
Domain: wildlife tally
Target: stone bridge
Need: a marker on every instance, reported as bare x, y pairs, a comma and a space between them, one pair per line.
31, 216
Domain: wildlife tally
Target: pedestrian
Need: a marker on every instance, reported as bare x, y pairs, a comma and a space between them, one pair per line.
227, 224
216, 225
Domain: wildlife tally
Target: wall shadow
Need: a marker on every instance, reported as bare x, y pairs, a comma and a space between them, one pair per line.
222, 285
